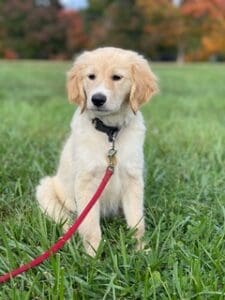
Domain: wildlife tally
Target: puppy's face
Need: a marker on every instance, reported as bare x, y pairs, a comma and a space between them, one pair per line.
103, 79
106, 87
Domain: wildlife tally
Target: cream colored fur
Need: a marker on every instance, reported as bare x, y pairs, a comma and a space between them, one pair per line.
84, 157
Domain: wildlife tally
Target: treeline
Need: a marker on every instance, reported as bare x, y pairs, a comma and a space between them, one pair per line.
191, 30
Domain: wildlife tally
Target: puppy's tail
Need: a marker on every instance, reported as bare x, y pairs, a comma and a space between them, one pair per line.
49, 201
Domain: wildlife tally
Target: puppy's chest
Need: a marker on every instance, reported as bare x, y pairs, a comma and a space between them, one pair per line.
91, 150
127, 159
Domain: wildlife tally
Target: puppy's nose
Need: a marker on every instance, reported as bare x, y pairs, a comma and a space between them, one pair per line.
98, 99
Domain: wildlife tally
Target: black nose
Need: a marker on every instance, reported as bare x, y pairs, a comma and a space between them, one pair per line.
98, 99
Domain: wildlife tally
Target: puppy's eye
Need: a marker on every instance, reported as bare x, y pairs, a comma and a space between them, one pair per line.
116, 77
92, 76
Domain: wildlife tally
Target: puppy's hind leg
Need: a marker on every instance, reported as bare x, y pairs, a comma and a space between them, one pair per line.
51, 201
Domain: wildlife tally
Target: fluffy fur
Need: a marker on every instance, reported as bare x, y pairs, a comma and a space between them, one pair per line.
84, 157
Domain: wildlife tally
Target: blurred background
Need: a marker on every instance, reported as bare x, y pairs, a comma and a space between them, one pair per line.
163, 30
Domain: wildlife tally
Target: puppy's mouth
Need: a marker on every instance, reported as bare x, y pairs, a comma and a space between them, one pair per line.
101, 111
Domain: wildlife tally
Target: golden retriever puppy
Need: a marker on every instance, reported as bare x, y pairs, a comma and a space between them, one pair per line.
108, 85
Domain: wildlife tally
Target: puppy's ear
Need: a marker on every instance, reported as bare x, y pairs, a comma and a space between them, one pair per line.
144, 84
75, 87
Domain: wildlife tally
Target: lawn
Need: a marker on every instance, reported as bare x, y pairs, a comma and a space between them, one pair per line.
184, 191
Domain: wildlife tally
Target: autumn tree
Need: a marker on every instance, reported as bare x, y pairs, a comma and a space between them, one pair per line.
162, 28
186, 29
73, 30
210, 15
40, 29
116, 23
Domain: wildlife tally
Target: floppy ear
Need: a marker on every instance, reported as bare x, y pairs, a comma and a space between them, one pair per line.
144, 84
74, 86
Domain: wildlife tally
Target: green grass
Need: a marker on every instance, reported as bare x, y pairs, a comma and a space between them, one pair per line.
184, 194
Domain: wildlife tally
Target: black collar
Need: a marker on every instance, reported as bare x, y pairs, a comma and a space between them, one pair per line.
111, 131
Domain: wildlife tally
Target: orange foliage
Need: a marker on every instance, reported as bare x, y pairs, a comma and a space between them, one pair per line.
9, 54
194, 29
211, 16
162, 19
197, 27
199, 8
75, 37
164, 26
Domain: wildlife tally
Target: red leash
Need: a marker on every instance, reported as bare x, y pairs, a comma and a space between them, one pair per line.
61, 241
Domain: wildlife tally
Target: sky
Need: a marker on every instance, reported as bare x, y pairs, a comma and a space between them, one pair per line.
177, 2
77, 4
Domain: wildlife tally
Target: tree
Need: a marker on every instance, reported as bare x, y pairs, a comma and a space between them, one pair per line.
210, 15
73, 28
162, 28
40, 29
188, 29
116, 23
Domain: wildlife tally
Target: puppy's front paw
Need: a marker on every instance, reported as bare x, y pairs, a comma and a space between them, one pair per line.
139, 234
90, 250
91, 246
140, 245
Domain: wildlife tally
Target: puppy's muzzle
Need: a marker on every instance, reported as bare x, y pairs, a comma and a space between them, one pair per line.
98, 99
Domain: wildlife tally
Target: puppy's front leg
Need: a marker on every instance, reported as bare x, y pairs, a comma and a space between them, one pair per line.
89, 230
132, 202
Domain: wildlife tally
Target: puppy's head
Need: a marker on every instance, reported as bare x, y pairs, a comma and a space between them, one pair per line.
104, 79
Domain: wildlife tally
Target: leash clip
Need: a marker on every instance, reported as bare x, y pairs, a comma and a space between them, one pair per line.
112, 155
